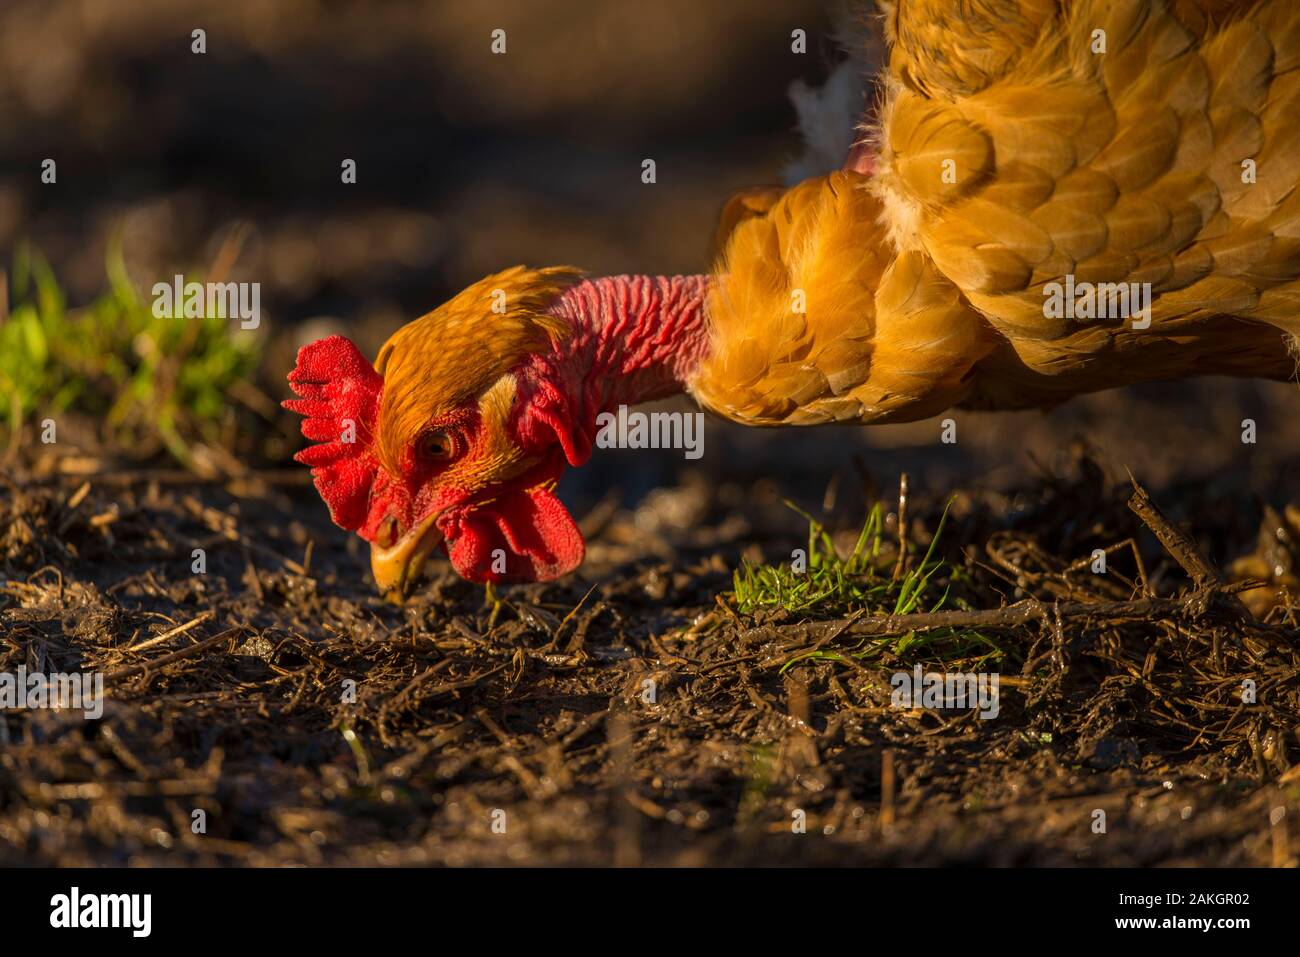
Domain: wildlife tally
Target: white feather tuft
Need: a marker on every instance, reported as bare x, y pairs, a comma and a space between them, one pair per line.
832, 117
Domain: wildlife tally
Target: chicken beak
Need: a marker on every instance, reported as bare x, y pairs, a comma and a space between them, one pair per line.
397, 568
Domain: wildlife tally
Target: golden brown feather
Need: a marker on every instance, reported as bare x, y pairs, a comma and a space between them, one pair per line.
1021, 142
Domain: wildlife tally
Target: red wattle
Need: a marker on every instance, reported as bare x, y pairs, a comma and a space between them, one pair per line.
524, 535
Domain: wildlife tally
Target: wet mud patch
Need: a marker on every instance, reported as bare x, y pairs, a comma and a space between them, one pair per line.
270, 709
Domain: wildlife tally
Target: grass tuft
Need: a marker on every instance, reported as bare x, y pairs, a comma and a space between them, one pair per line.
864, 582
152, 382
835, 585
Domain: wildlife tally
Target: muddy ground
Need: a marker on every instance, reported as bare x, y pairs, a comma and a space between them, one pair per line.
522, 731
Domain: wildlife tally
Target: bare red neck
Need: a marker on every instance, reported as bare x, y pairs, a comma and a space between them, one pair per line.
635, 339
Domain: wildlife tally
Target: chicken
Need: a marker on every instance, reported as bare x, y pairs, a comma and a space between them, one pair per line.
1052, 197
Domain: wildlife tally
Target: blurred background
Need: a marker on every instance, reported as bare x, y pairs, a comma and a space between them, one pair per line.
228, 164
467, 161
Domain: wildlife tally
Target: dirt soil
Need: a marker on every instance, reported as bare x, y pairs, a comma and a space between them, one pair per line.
523, 731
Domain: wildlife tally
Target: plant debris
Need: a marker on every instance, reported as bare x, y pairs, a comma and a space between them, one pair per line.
636, 716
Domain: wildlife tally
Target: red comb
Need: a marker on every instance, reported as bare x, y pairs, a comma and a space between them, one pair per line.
340, 399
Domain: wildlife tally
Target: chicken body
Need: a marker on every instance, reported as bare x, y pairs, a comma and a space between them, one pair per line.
1059, 196
1023, 146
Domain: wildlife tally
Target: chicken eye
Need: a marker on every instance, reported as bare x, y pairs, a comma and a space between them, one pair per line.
433, 446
